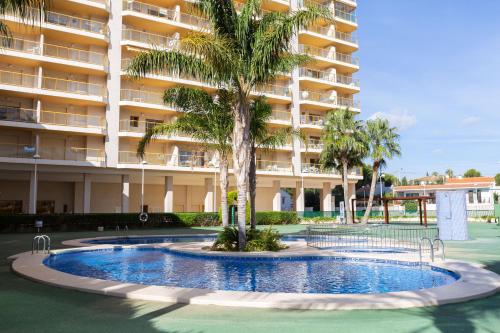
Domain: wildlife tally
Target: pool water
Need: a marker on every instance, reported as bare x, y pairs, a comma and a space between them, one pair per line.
328, 275
169, 239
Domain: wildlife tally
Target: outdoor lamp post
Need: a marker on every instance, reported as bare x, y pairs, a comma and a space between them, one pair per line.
36, 157
143, 163
382, 176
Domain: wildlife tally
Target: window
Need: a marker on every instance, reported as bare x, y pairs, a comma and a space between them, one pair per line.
45, 207
479, 199
471, 196
11, 206
134, 121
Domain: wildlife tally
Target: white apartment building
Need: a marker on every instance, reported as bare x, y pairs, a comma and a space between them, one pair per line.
68, 110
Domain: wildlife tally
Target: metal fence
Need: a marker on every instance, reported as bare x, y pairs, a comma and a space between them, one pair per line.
369, 236
392, 213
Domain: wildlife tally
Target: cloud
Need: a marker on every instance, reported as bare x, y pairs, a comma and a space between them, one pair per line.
471, 120
403, 120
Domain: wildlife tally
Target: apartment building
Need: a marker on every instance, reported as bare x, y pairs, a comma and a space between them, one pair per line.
70, 118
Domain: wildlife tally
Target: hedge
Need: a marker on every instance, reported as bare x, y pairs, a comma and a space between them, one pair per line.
79, 222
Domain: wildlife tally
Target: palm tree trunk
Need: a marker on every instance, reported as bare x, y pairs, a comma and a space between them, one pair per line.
372, 193
241, 145
223, 190
347, 201
252, 181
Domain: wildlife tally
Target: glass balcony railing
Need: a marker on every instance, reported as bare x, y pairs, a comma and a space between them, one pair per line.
346, 37
274, 166
318, 96
74, 54
71, 119
21, 45
141, 96
327, 53
273, 89
76, 23
346, 16
316, 168
284, 116
183, 159
9, 113
328, 76
74, 87
131, 157
313, 144
149, 38
16, 150
18, 79
135, 126
312, 120
348, 102
78, 154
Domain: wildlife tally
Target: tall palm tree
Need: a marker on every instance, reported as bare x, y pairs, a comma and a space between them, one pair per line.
27, 10
449, 173
261, 137
344, 148
383, 143
241, 50
206, 118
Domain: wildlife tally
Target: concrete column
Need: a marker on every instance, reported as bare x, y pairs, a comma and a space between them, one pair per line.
33, 192
209, 195
113, 83
125, 193
299, 197
295, 105
352, 195
87, 191
168, 196
277, 196
38, 108
326, 199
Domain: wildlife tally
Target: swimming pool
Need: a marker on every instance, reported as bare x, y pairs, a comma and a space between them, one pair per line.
316, 274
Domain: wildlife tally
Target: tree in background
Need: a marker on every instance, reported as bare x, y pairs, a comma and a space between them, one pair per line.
29, 11
244, 48
206, 118
449, 173
383, 143
472, 173
404, 181
345, 146
497, 179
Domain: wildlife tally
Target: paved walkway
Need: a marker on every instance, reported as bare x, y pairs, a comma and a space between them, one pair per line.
27, 306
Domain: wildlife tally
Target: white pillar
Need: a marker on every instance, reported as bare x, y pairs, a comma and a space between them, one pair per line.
352, 195
326, 199
299, 197
209, 195
87, 190
33, 193
168, 196
277, 196
125, 193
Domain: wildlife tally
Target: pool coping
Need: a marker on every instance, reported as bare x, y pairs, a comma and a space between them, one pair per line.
475, 282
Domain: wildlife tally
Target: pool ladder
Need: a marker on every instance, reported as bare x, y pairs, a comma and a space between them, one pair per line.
46, 244
433, 245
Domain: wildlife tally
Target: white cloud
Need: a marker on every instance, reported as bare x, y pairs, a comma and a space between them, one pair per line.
470, 120
403, 120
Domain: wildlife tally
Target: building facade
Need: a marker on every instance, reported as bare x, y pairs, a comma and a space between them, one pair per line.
70, 117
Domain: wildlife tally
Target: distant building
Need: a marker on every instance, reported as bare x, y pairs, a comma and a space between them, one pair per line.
480, 190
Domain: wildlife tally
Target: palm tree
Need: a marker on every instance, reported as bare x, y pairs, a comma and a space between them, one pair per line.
208, 119
241, 51
27, 10
383, 142
449, 173
344, 147
261, 137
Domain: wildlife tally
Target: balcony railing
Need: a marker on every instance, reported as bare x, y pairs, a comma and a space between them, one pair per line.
318, 96
273, 89
71, 119
347, 16
312, 120
285, 116
313, 144
72, 154
348, 102
141, 126
165, 13
74, 54
149, 38
21, 45
316, 168
346, 37
274, 166
76, 22
16, 150
74, 87
327, 53
183, 159
141, 96
130, 157
328, 76
18, 79
9, 113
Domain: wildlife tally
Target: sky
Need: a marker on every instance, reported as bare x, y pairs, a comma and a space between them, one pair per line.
432, 67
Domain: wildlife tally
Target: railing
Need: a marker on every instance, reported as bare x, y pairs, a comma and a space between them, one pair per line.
16, 150
281, 116
21, 45
369, 237
312, 120
316, 168
183, 159
345, 15
76, 22
75, 87
347, 102
318, 96
18, 79
346, 37
141, 96
149, 38
165, 13
313, 144
131, 157
274, 166
78, 154
79, 55
71, 119
327, 53
273, 89
328, 76
139, 126
9, 113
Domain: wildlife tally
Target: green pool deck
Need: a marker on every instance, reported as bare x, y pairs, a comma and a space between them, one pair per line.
26, 306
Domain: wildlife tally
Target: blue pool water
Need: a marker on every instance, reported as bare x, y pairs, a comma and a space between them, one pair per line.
169, 239
329, 275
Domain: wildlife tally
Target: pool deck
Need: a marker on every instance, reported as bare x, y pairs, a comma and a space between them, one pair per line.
28, 306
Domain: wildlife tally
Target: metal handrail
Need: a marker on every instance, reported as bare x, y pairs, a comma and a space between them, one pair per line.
46, 244
420, 248
439, 241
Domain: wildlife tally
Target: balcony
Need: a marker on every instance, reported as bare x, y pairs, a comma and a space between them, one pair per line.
20, 45
15, 150
326, 97
346, 16
348, 103
77, 23
273, 89
182, 160
72, 119
317, 169
73, 87
77, 154
166, 14
313, 144
9, 113
73, 54
274, 166
312, 120
141, 96
328, 54
331, 77
281, 116
151, 40
18, 79
134, 126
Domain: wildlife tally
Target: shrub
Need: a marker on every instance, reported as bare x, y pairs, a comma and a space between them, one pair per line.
411, 205
257, 240
273, 218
